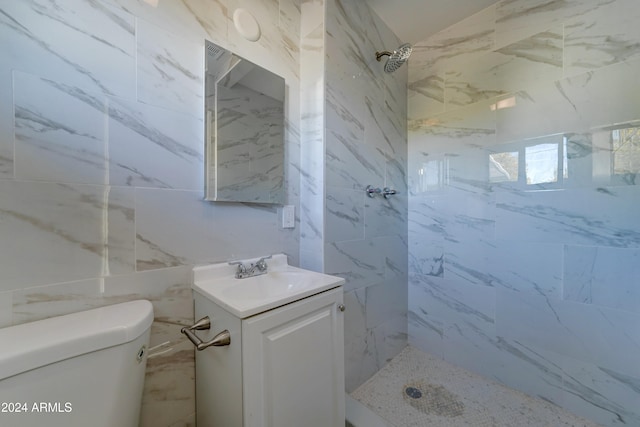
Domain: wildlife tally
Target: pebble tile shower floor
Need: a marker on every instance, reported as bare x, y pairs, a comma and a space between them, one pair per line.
416, 389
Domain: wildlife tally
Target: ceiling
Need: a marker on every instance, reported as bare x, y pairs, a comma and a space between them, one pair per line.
415, 20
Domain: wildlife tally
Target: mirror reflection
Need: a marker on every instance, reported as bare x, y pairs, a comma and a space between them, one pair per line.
244, 130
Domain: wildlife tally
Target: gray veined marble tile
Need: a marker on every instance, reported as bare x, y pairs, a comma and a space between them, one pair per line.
600, 394
6, 124
606, 337
385, 217
359, 262
385, 301
192, 19
602, 36
345, 214
529, 369
176, 228
452, 301
424, 332
60, 132
170, 70
100, 58
169, 391
453, 131
163, 148
70, 232
6, 308
603, 276
352, 164
425, 95
460, 43
518, 19
41, 302
517, 266
274, 42
426, 256
597, 217
509, 69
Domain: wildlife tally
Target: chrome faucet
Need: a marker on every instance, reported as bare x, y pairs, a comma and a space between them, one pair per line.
244, 271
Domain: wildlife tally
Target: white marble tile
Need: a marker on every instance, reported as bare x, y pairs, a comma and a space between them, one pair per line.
460, 43
606, 337
60, 132
600, 394
351, 164
273, 42
508, 69
359, 262
359, 363
70, 232
312, 146
169, 387
163, 148
602, 36
518, 19
425, 94
426, 255
384, 302
567, 105
395, 254
379, 129
602, 276
169, 70
385, 217
345, 214
599, 217
426, 217
193, 19
454, 131
179, 228
424, 332
42, 302
529, 369
88, 44
451, 302
168, 289
516, 266
389, 339
6, 123
6, 309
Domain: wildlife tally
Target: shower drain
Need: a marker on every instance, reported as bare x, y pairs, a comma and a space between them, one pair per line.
413, 392
432, 399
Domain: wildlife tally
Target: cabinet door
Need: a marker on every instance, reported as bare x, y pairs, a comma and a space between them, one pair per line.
293, 364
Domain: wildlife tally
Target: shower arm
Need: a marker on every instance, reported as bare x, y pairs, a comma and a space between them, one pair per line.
379, 55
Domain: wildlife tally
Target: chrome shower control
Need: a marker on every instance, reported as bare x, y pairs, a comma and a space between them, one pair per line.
371, 192
386, 192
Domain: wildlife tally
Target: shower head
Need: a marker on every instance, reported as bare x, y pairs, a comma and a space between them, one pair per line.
396, 58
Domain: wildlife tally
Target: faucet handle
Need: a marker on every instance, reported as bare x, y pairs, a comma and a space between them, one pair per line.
262, 264
241, 270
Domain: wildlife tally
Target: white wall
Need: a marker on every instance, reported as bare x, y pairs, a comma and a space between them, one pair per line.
530, 281
101, 164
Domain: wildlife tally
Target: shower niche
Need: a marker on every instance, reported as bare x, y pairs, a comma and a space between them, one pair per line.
244, 130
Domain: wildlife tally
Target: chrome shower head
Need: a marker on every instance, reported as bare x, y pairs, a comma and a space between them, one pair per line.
396, 58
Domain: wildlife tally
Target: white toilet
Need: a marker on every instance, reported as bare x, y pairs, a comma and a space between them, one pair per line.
81, 369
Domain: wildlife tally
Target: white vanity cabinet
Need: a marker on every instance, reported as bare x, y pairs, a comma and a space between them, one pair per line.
283, 368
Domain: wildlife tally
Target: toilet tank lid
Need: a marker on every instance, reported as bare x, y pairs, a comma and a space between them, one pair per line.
32, 345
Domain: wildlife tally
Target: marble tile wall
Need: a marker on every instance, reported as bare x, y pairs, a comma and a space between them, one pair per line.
365, 239
524, 154
101, 165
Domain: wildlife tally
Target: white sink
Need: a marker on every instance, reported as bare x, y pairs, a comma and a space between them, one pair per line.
281, 285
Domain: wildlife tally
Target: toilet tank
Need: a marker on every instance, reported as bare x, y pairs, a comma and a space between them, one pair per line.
81, 369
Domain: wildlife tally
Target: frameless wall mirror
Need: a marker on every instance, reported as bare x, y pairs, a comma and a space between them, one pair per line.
244, 130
